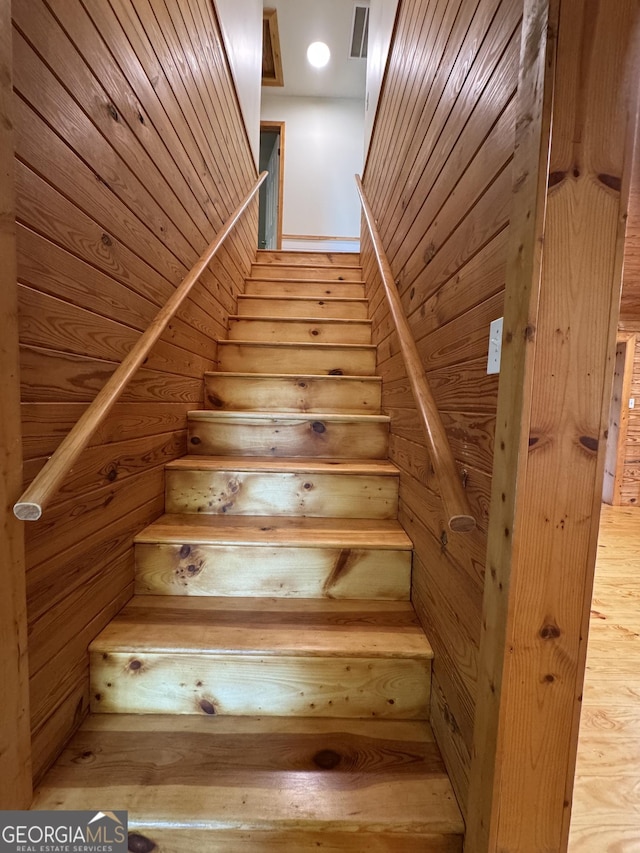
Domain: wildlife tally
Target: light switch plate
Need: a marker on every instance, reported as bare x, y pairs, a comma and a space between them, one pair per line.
495, 346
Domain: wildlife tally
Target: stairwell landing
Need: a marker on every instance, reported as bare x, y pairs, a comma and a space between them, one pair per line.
267, 688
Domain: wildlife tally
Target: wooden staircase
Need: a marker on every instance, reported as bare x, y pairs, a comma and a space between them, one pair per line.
267, 688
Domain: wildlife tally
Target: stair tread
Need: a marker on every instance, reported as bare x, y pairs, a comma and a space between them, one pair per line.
308, 258
265, 627
298, 464
326, 321
298, 345
293, 298
223, 773
248, 416
278, 531
304, 281
289, 377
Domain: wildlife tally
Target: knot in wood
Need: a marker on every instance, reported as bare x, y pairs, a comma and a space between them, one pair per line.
550, 631
327, 759
140, 843
318, 426
589, 442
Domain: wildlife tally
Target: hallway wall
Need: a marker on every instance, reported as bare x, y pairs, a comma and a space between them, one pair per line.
130, 155
438, 178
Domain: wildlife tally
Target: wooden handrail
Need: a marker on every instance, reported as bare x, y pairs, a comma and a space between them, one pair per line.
49, 479
453, 496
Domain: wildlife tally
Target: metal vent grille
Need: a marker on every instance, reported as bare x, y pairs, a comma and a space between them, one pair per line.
359, 32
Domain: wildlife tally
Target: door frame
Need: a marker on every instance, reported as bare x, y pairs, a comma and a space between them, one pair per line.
278, 127
619, 419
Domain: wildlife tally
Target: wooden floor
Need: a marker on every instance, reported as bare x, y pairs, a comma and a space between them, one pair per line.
606, 804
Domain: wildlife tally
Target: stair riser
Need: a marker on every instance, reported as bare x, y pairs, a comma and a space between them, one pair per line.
274, 493
280, 331
161, 683
329, 394
195, 569
309, 259
283, 271
318, 439
307, 289
257, 306
257, 358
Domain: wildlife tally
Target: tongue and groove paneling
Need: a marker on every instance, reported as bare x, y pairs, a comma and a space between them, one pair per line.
439, 181
131, 153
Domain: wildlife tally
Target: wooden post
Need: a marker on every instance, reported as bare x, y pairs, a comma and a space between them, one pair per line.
562, 292
15, 743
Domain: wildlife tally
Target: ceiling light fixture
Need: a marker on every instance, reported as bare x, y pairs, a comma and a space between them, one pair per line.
318, 54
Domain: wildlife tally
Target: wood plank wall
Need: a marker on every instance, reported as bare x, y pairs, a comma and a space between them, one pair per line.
630, 318
439, 180
131, 152
15, 735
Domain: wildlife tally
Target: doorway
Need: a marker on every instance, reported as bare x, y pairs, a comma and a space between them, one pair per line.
621, 401
271, 191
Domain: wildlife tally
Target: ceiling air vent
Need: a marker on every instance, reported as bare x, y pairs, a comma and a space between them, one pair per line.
359, 32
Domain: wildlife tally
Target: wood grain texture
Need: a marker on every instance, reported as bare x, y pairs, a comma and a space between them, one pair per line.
604, 813
453, 495
288, 487
318, 288
283, 272
552, 416
439, 180
15, 746
375, 783
281, 657
286, 393
48, 480
283, 557
308, 259
287, 434
194, 568
328, 331
627, 474
119, 189
259, 357
301, 306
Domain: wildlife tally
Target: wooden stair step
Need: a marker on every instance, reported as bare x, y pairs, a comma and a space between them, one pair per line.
294, 329
272, 656
267, 785
304, 287
321, 272
288, 557
309, 259
354, 436
292, 393
302, 306
264, 357
246, 485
